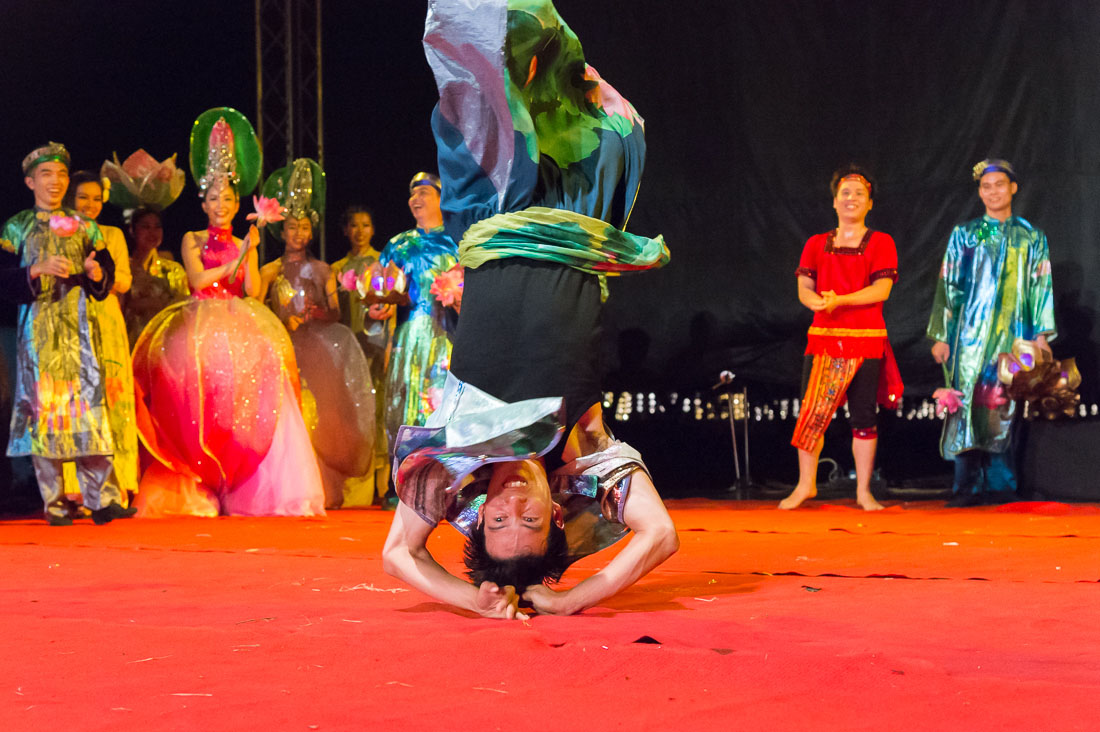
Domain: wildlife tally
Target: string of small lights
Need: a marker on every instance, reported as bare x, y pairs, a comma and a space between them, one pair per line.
703, 406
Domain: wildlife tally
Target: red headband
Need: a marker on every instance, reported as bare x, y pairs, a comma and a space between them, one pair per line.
857, 177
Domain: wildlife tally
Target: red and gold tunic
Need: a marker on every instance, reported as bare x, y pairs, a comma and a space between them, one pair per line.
853, 331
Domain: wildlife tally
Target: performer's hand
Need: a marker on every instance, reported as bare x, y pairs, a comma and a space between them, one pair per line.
547, 601
381, 311
92, 268
831, 301
941, 352
1041, 341
293, 322
54, 264
814, 301
498, 602
253, 238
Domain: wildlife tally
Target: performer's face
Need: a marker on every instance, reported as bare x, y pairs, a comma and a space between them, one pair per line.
518, 510
424, 203
88, 200
221, 205
297, 233
359, 231
49, 181
996, 190
148, 233
852, 202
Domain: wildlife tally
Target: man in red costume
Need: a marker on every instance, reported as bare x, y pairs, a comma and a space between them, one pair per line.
845, 276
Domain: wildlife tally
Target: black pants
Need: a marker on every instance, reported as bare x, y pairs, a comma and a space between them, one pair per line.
862, 392
531, 329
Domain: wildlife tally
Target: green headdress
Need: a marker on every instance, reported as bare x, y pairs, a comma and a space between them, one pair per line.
224, 146
53, 151
300, 190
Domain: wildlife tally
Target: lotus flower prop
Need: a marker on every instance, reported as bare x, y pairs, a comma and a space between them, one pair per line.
1032, 374
377, 284
947, 400
64, 226
142, 181
267, 211
447, 287
990, 396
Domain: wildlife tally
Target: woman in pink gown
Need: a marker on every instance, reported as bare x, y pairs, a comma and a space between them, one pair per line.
217, 385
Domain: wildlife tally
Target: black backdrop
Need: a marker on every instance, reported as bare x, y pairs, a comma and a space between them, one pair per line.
749, 106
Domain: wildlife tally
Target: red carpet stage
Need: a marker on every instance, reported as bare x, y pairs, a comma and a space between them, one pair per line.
824, 618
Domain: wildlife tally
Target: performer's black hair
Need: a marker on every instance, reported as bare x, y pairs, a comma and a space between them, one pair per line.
519, 572
852, 169
353, 209
75, 180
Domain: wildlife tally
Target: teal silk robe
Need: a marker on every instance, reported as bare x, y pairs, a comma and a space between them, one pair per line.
994, 287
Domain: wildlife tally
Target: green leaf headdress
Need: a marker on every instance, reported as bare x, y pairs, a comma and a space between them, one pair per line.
224, 147
300, 190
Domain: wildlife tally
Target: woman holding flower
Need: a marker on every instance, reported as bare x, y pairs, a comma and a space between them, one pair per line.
216, 378
338, 402
372, 324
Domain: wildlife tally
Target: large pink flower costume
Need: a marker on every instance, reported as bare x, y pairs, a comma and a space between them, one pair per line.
217, 388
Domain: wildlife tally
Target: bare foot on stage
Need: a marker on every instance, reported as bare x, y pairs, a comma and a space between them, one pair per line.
868, 503
798, 495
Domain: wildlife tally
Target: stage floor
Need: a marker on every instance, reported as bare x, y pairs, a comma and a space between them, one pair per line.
917, 617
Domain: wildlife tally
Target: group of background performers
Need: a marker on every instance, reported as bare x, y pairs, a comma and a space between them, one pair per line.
254, 391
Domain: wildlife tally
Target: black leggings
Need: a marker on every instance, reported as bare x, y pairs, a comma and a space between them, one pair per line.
862, 392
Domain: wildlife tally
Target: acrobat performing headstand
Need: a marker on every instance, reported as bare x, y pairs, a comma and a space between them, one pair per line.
516, 455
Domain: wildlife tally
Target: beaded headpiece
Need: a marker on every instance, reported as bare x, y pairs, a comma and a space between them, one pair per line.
994, 165
300, 190
224, 149
54, 151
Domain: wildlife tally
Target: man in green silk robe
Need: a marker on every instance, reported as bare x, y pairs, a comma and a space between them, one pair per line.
994, 287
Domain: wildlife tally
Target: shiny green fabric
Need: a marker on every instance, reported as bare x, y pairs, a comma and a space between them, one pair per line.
994, 287
59, 410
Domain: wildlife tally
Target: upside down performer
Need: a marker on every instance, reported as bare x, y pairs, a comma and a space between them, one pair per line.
539, 166
844, 277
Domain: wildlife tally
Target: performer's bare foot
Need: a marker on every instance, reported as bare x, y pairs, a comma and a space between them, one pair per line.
868, 503
798, 495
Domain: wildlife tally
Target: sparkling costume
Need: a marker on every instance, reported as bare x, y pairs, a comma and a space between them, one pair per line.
446, 464
157, 283
375, 338
216, 379
538, 179
994, 287
338, 403
421, 348
59, 411
109, 330
218, 391
843, 341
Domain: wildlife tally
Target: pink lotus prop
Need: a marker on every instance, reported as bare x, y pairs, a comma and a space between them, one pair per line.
947, 400
990, 396
349, 280
64, 226
268, 211
142, 181
447, 287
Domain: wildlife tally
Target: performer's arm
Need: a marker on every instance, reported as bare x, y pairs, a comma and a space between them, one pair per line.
406, 557
99, 273
807, 293
877, 291
948, 300
653, 542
